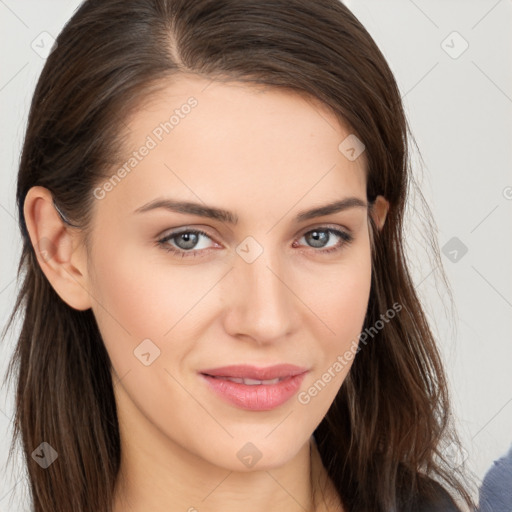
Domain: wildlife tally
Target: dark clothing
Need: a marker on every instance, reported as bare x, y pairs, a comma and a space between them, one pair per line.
433, 498
442, 503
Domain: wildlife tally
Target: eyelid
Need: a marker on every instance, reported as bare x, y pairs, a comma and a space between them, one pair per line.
169, 233
346, 235
325, 225
185, 229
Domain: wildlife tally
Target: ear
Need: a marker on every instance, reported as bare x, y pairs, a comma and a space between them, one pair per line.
58, 248
379, 211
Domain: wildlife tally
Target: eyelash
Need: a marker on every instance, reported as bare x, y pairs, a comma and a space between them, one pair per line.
162, 242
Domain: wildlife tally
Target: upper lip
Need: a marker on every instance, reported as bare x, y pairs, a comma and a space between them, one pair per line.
253, 372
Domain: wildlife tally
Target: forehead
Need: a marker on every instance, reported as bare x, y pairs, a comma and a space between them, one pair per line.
220, 142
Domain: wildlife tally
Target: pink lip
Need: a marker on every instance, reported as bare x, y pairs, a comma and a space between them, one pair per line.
259, 397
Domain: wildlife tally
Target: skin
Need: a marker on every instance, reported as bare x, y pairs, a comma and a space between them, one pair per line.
264, 154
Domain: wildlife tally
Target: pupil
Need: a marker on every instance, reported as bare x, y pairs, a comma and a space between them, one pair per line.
317, 235
189, 239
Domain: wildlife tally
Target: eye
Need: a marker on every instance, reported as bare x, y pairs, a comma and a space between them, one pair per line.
184, 242
319, 236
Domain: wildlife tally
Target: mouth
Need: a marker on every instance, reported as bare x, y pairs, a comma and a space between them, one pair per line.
255, 389
249, 382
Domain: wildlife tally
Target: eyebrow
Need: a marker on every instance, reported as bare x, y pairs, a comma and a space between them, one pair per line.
222, 215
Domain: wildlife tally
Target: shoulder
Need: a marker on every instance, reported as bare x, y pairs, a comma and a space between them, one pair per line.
496, 488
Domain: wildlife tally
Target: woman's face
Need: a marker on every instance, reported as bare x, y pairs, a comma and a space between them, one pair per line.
276, 287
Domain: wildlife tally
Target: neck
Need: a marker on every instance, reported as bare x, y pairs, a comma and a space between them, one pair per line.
191, 486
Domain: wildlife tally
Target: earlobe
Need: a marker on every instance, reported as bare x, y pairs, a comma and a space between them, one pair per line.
61, 259
379, 211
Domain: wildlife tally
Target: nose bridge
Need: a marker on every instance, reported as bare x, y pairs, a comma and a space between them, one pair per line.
262, 301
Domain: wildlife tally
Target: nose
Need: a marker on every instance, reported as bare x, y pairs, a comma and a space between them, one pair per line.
261, 304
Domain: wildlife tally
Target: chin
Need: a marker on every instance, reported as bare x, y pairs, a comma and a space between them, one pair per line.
257, 453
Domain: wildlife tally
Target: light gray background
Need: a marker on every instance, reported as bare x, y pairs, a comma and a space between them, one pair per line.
459, 108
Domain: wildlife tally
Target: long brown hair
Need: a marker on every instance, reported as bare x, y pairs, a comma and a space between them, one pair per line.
382, 439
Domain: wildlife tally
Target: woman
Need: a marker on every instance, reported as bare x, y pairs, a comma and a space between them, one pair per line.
217, 309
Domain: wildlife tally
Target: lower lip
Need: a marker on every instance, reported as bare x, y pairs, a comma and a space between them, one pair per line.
260, 397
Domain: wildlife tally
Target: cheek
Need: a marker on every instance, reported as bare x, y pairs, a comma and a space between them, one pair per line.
341, 296
123, 290
341, 304
130, 305
139, 296
132, 291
